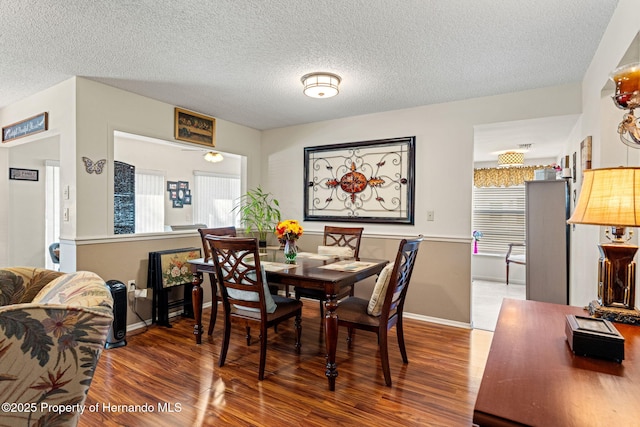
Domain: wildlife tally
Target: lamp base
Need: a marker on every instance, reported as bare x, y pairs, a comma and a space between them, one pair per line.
617, 275
614, 314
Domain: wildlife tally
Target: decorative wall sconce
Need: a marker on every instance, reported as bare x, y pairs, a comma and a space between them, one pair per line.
627, 97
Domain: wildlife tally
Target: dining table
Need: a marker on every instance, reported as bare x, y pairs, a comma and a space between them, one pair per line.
328, 273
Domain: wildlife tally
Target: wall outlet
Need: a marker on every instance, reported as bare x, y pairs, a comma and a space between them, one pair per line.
132, 285
430, 215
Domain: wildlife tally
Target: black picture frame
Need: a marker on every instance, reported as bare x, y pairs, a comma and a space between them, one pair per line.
172, 185
24, 174
183, 185
186, 200
177, 203
366, 181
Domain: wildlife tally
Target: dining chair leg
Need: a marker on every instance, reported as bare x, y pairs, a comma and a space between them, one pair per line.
214, 304
322, 310
248, 336
384, 357
263, 353
507, 273
298, 326
225, 341
400, 334
349, 337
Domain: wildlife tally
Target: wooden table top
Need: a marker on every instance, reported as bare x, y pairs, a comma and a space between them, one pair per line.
310, 271
532, 377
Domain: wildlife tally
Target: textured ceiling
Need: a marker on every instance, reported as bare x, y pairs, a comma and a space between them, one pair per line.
242, 61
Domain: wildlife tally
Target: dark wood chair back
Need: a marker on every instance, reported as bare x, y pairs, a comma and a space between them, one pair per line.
335, 236
353, 311
219, 231
343, 236
399, 282
237, 262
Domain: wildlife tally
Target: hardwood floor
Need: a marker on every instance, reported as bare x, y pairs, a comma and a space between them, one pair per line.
175, 382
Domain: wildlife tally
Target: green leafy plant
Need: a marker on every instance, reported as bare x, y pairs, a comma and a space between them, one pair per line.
259, 212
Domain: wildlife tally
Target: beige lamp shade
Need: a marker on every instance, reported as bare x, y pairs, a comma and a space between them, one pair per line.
609, 197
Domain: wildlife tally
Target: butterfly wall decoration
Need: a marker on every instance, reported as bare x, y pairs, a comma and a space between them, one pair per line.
92, 167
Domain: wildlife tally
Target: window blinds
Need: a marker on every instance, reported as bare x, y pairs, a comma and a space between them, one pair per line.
499, 213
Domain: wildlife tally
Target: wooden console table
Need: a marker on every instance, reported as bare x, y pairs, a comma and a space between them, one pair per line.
533, 379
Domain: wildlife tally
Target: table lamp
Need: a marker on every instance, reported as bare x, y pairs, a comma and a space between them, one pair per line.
611, 197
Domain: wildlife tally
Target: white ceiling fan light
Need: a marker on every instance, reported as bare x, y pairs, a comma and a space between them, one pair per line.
213, 157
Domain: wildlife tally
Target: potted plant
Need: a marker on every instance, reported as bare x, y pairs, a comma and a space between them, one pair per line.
258, 212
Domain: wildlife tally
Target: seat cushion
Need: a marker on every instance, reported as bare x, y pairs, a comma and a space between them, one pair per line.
377, 297
518, 259
354, 310
253, 296
283, 305
343, 251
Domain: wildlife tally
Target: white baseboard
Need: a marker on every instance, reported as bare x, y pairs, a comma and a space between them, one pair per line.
138, 325
420, 317
437, 320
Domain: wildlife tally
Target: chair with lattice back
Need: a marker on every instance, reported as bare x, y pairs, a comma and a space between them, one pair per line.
340, 241
245, 294
218, 231
385, 307
514, 258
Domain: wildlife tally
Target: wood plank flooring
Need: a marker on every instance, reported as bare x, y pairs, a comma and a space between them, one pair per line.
162, 378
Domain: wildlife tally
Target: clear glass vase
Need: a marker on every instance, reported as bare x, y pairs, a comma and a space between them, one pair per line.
290, 251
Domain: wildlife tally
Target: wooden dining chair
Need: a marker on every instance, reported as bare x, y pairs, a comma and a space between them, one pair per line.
384, 310
245, 294
219, 231
338, 238
515, 258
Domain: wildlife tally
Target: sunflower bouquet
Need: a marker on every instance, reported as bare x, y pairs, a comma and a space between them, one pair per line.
289, 229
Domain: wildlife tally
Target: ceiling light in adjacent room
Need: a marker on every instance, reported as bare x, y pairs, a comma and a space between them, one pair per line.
321, 85
213, 157
510, 158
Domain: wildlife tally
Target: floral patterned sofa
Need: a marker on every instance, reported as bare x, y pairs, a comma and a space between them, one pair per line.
53, 327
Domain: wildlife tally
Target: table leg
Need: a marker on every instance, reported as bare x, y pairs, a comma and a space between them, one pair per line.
331, 338
196, 298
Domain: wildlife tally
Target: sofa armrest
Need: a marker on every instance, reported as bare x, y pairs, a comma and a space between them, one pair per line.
21, 284
48, 355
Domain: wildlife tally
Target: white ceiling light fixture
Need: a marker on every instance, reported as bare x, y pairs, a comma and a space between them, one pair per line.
510, 159
320, 84
213, 157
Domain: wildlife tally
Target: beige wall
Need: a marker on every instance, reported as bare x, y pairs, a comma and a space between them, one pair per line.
441, 287
600, 119
15, 229
444, 155
26, 202
126, 259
